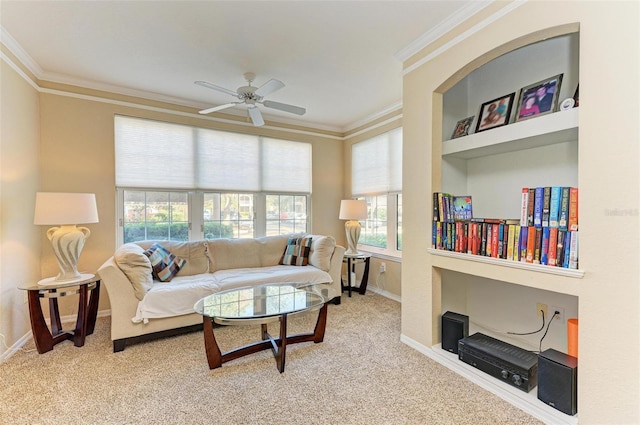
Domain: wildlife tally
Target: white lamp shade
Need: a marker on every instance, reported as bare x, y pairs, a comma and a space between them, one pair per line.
65, 208
351, 209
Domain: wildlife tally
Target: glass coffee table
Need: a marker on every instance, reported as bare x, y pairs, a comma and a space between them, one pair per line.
262, 305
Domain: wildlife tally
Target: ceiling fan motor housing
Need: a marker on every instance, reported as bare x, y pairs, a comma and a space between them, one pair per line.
247, 93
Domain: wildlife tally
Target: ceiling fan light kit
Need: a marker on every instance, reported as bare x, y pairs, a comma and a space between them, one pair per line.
251, 96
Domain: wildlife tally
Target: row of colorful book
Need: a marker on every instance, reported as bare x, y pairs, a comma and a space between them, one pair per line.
551, 206
546, 232
508, 240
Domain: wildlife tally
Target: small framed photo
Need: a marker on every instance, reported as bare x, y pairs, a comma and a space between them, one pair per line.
540, 98
495, 113
576, 96
462, 127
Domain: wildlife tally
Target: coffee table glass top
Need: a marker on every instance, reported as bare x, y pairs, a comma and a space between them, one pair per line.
260, 302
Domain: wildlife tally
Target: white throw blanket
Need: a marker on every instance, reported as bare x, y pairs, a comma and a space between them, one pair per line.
175, 298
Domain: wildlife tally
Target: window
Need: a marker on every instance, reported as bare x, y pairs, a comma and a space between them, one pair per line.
179, 182
377, 178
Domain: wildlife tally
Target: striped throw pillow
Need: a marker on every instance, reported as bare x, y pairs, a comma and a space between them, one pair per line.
164, 264
296, 252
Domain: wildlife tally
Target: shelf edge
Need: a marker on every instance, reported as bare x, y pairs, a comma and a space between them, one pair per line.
573, 273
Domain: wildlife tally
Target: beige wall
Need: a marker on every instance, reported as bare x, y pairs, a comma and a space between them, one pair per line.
609, 296
82, 129
19, 180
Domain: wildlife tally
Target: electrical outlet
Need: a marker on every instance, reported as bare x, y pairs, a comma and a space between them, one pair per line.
540, 307
383, 267
560, 315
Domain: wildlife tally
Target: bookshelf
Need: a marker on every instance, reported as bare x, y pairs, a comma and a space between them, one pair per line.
492, 167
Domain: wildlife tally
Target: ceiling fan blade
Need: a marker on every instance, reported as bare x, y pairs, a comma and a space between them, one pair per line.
218, 108
256, 116
284, 107
269, 87
214, 87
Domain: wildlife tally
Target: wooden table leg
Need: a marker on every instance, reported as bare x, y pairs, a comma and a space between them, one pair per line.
214, 356
54, 313
282, 349
41, 335
81, 320
321, 325
92, 313
365, 276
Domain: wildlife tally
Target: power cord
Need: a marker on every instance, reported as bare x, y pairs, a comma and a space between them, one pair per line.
547, 330
4, 343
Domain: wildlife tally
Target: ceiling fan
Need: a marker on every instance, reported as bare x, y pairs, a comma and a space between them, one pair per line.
251, 96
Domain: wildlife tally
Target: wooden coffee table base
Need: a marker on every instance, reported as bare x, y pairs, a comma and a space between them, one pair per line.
277, 345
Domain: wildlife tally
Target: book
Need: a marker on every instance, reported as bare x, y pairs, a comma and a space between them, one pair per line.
516, 243
560, 248
511, 235
566, 249
495, 238
554, 206
573, 250
563, 216
462, 208
544, 248
546, 205
537, 250
524, 205
531, 207
436, 207
531, 243
553, 246
537, 207
524, 238
573, 209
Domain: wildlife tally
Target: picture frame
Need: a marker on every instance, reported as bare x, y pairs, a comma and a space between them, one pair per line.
576, 96
539, 98
495, 113
462, 127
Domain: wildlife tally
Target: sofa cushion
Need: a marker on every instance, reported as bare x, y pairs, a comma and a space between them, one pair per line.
194, 252
322, 249
296, 253
164, 264
136, 266
271, 248
233, 253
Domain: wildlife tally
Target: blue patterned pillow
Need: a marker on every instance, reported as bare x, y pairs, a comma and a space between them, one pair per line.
297, 252
164, 264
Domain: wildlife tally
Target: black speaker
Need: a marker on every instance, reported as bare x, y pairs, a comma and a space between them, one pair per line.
455, 326
558, 381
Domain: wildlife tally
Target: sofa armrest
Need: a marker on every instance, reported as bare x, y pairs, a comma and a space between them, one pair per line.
121, 297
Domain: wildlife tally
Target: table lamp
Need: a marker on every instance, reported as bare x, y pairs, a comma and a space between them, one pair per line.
65, 210
352, 210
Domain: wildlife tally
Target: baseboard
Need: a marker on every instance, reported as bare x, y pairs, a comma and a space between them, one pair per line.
17, 346
385, 294
528, 402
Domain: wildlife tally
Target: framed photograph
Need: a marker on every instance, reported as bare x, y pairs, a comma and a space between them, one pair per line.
540, 98
462, 127
576, 96
495, 113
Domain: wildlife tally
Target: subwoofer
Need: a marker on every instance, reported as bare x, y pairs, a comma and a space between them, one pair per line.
558, 381
455, 326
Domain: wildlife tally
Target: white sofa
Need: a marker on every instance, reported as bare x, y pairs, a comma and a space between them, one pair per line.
143, 308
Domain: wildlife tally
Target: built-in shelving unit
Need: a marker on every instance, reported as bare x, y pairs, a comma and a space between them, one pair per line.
492, 167
546, 130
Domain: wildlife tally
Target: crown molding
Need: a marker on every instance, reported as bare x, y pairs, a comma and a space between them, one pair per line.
367, 120
442, 28
471, 31
16, 49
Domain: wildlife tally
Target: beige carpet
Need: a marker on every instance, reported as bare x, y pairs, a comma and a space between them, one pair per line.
360, 374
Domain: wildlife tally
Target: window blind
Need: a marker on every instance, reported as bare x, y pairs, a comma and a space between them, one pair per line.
376, 164
152, 154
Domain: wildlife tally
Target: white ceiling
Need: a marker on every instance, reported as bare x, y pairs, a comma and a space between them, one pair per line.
338, 59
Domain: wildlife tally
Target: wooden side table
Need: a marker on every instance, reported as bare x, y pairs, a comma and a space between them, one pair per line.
87, 311
352, 260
